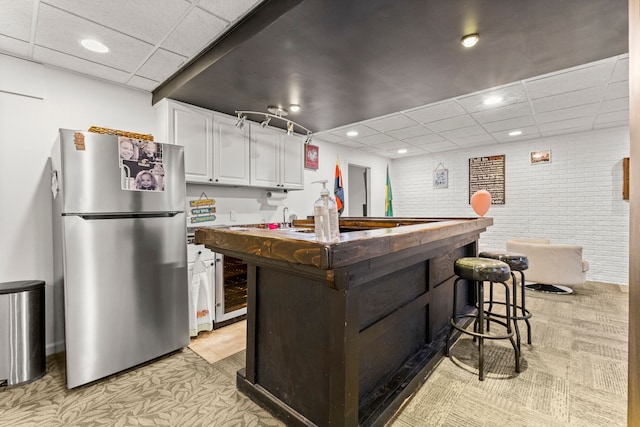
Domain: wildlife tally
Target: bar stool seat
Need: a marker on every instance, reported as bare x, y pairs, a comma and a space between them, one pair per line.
517, 262
480, 270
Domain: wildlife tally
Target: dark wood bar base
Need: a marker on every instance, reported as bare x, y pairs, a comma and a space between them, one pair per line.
347, 344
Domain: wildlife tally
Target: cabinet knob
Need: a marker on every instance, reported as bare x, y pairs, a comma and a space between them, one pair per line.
216, 179
212, 263
210, 179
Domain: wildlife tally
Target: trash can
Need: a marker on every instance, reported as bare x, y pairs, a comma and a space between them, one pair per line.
22, 348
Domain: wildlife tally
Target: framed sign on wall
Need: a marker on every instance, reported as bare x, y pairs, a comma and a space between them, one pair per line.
440, 176
310, 156
487, 173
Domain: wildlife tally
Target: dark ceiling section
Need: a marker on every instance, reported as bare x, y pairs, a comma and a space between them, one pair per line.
346, 61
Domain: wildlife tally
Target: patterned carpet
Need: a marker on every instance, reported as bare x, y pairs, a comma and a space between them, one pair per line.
574, 374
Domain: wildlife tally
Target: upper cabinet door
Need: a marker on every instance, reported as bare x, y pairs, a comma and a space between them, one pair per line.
291, 170
191, 127
265, 157
230, 151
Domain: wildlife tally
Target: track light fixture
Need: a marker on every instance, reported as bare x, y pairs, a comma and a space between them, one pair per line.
308, 138
274, 113
240, 122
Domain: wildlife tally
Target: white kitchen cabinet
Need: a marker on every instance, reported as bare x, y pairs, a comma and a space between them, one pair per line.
230, 151
276, 159
215, 150
191, 127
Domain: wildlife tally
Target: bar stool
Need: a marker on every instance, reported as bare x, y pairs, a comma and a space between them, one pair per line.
480, 270
517, 262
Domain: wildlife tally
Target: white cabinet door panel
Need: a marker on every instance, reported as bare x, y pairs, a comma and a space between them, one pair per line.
230, 152
265, 156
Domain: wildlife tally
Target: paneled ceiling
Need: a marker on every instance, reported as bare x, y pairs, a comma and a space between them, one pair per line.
392, 69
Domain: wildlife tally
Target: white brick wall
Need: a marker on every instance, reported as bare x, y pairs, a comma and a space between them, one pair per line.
577, 198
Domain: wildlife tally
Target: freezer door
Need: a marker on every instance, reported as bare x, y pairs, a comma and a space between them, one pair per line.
126, 294
90, 177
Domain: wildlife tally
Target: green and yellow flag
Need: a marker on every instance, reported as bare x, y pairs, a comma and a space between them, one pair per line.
388, 205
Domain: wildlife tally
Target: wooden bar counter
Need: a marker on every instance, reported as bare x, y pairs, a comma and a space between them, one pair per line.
341, 334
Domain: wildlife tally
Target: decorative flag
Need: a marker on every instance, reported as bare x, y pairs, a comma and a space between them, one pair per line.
388, 205
338, 191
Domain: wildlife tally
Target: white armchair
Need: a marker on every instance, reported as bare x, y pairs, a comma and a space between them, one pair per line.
551, 264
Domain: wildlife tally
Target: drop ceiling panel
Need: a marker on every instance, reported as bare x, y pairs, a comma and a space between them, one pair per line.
228, 10
581, 123
362, 130
569, 99
352, 144
502, 113
510, 94
528, 132
56, 58
188, 38
617, 90
15, 19
440, 147
618, 104
621, 70
15, 46
613, 117
464, 132
424, 139
146, 20
142, 83
511, 124
436, 112
585, 77
588, 110
482, 139
409, 132
58, 30
159, 66
392, 145
391, 123
451, 124
378, 138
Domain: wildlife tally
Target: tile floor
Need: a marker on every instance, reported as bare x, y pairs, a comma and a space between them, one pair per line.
220, 343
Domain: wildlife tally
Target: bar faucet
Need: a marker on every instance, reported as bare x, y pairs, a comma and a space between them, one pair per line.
285, 212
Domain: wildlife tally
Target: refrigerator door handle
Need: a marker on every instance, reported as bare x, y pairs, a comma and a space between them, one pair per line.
121, 216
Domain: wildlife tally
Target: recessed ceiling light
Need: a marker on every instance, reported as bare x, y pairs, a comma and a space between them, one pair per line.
515, 133
352, 133
294, 108
470, 40
94, 46
402, 151
492, 100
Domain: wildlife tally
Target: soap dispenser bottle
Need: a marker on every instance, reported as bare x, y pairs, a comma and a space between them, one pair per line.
325, 216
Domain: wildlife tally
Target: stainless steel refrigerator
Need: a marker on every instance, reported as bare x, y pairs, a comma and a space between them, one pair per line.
120, 260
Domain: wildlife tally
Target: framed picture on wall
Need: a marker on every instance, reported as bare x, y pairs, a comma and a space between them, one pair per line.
310, 156
543, 156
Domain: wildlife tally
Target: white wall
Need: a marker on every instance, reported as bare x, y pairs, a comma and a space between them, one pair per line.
577, 198
38, 100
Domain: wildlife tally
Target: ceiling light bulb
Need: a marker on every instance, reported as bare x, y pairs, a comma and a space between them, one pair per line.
492, 100
470, 40
294, 108
352, 133
94, 46
402, 151
515, 133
